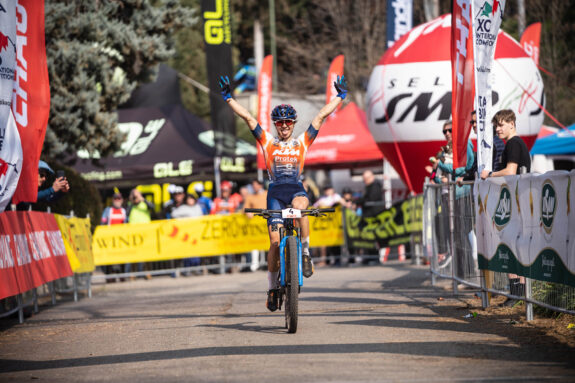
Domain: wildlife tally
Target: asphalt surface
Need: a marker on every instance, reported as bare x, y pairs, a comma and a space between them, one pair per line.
357, 324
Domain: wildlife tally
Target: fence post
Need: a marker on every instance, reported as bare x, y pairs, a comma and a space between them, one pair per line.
451, 207
75, 280
528, 305
344, 253
52, 292
35, 295
222, 264
20, 308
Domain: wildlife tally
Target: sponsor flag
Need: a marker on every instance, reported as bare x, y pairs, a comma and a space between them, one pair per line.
335, 69
462, 80
265, 101
10, 144
218, 46
31, 99
399, 19
487, 16
530, 41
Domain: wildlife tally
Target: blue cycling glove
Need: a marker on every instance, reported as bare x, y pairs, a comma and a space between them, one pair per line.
341, 87
225, 88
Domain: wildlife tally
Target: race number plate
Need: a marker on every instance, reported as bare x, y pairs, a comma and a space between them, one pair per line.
291, 213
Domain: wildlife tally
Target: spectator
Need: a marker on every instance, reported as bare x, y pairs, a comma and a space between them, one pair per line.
203, 201
515, 156
466, 260
178, 199
59, 187
116, 213
329, 198
498, 147
140, 210
113, 215
227, 203
243, 194
257, 199
347, 199
372, 200
188, 209
438, 176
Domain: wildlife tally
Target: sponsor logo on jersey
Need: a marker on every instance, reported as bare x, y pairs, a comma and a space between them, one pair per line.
286, 152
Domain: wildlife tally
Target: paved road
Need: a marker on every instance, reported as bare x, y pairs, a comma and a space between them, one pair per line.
357, 324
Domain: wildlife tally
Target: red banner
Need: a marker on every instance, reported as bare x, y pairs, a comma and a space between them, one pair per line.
31, 101
530, 41
265, 101
462, 79
335, 69
31, 251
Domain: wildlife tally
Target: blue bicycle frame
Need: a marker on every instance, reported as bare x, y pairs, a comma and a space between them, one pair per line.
283, 261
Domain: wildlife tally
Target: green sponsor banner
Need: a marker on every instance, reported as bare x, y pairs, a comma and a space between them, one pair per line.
394, 226
547, 266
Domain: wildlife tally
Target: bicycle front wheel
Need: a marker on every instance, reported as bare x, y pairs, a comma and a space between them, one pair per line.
292, 284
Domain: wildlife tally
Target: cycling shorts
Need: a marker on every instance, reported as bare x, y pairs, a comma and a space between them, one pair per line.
282, 195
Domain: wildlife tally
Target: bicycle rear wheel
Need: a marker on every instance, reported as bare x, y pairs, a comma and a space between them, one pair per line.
292, 284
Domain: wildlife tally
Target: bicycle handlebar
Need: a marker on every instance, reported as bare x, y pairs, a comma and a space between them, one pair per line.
266, 213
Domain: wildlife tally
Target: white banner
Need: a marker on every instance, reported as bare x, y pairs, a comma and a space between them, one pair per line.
526, 225
487, 16
10, 145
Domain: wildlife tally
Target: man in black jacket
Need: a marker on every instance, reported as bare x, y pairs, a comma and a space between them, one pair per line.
372, 199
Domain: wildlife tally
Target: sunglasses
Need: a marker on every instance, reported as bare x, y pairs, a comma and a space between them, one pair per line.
280, 123
447, 130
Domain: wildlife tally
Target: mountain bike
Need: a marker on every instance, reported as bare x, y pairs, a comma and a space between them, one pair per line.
290, 276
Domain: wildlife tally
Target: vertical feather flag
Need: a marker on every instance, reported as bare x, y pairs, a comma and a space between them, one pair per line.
264, 101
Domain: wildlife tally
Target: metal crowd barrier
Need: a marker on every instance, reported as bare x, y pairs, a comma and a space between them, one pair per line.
449, 243
71, 285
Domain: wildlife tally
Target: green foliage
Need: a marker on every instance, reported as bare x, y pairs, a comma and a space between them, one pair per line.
554, 294
83, 198
98, 52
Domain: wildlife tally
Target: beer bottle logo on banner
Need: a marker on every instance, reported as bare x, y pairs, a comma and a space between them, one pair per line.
548, 205
502, 214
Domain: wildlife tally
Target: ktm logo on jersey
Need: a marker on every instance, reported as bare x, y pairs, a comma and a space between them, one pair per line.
286, 152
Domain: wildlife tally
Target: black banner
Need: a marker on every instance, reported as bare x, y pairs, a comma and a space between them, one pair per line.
392, 227
218, 40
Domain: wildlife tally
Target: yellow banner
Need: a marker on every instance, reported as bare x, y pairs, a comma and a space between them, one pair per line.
198, 237
77, 238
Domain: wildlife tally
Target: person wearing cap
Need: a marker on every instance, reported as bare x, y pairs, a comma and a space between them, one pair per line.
58, 188
226, 203
115, 213
178, 199
47, 194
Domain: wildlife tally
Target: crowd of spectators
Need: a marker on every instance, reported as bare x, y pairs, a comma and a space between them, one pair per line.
233, 198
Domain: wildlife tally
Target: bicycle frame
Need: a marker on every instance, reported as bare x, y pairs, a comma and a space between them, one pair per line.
285, 232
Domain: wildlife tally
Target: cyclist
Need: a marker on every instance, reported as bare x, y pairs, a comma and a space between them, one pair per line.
284, 157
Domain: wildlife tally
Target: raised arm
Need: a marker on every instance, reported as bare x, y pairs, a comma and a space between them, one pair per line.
239, 110
329, 108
